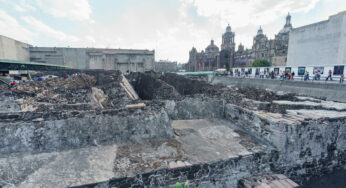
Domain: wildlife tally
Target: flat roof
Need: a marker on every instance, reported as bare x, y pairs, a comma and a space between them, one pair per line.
31, 63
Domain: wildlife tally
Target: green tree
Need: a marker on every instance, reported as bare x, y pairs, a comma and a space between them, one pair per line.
226, 56
261, 63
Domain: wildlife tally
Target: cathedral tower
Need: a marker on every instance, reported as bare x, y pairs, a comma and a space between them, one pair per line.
228, 40
288, 21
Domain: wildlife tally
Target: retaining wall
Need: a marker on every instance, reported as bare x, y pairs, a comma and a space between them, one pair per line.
76, 132
222, 173
327, 90
195, 108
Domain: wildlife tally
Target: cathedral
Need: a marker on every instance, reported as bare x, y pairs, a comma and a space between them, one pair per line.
273, 50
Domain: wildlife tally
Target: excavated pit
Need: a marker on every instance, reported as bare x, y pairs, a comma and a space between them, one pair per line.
81, 132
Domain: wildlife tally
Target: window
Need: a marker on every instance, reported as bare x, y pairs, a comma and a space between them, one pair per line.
288, 69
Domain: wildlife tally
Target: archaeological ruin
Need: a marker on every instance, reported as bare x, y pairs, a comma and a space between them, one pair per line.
98, 129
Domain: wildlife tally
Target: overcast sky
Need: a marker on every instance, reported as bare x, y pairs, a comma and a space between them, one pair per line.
171, 27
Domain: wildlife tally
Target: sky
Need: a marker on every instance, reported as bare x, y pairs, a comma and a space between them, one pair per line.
170, 27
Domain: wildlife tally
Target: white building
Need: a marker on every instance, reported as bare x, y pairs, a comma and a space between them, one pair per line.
322, 43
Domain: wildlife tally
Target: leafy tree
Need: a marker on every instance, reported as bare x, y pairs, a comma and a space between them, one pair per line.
226, 56
261, 63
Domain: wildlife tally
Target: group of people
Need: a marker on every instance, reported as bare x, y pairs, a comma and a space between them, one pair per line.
284, 75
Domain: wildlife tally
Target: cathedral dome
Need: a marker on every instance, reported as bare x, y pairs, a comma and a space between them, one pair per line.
212, 47
260, 31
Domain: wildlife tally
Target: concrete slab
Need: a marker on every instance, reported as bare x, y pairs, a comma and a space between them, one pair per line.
196, 141
328, 105
58, 169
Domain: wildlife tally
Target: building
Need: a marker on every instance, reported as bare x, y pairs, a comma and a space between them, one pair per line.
273, 50
321, 43
13, 49
166, 66
227, 48
206, 60
79, 58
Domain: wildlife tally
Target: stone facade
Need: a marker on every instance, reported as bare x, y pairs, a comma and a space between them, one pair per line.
273, 50
166, 66
96, 58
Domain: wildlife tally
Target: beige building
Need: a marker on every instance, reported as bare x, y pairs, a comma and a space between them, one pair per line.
79, 58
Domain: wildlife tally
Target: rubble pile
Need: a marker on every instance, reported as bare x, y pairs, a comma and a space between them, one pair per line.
82, 91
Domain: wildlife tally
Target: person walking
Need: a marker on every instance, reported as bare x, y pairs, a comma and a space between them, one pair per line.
317, 75
306, 76
342, 78
293, 75
329, 75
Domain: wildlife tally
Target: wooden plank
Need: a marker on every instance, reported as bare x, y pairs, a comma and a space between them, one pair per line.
134, 106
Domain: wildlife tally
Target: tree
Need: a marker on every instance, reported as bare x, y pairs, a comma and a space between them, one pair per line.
226, 56
261, 63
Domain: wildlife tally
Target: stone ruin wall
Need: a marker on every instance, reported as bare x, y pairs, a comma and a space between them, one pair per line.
309, 148
82, 130
221, 173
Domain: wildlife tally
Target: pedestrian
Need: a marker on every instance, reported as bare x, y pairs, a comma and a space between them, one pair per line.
306, 76
281, 75
285, 75
13, 83
272, 75
66, 75
329, 75
342, 78
317, 75
293, 75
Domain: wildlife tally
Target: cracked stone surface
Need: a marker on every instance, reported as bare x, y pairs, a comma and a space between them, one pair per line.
59, 169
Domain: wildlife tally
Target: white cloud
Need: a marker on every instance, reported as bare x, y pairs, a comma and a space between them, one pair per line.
79, 10
244, 16
10, 27
171, 31
42, 29
244, 12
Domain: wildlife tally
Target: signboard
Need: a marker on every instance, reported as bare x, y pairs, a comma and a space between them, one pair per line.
338, 70
249, 70
276, 71
301, 71
316, 69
